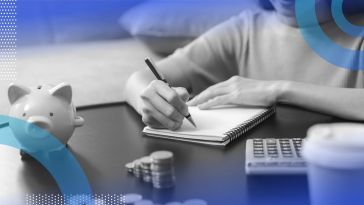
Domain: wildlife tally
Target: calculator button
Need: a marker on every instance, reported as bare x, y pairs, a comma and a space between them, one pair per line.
271, 141
258, 155
287, 153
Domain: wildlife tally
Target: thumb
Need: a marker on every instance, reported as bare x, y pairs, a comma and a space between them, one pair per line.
182, 93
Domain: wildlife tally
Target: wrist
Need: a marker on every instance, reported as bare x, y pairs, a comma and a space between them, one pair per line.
281, 90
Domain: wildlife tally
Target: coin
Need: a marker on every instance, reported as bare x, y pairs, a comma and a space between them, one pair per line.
129, 167
162, 156
137, 169
146, 160
131, 198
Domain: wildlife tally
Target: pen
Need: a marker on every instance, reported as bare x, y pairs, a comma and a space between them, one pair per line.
159, 76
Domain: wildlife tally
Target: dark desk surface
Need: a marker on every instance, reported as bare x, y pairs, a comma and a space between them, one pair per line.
112, 137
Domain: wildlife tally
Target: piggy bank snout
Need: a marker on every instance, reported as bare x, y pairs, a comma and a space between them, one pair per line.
36, 122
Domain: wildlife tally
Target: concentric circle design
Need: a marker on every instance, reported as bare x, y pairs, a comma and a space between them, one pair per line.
342, 22
316, 38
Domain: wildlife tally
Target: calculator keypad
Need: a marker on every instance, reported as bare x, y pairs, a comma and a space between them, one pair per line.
267, 154
274, 148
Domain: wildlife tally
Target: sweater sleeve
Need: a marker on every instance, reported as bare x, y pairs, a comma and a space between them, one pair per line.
209, 59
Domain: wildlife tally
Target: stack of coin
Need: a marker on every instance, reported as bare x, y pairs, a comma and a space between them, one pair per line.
130, 167
146, 163
162, 169
137, 169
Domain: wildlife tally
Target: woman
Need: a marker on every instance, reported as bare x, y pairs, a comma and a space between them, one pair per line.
257, 58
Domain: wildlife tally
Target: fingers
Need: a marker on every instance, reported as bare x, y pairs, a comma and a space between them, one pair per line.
162, 106
210, 93
220, 100
182, 93
173, 98
165, 108
152, 117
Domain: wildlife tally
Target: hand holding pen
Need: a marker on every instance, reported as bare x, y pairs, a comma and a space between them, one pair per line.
163, 106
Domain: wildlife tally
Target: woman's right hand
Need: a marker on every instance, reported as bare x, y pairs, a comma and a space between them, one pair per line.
162, 106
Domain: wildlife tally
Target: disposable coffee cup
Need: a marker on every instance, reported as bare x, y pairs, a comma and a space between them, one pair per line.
335, 163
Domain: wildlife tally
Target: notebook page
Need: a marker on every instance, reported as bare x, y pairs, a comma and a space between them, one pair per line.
211, 124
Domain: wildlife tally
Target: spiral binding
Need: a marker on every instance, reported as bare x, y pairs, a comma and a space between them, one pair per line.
246, 126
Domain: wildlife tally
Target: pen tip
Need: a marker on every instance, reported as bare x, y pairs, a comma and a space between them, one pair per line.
191, 121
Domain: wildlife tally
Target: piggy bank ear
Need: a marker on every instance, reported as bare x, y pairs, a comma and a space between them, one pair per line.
17, 91
63, 91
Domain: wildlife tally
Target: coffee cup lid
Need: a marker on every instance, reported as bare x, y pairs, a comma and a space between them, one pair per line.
338, 145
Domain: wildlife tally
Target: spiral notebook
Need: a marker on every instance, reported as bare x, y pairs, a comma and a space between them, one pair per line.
217, 127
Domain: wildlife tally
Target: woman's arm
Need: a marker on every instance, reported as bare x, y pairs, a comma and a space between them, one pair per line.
161, 106
341, 102
207, 60
135, 85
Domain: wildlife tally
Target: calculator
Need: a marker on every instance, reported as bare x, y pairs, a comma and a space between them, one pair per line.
274, 156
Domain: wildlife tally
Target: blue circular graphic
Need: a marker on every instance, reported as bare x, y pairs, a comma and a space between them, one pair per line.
342, 22
61, 164
316, 38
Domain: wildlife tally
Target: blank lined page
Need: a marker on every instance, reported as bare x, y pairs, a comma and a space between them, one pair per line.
211, 124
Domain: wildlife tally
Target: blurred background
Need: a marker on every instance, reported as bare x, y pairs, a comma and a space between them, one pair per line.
95, 45
63, 21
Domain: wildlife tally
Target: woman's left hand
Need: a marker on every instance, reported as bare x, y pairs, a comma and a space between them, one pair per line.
239, 91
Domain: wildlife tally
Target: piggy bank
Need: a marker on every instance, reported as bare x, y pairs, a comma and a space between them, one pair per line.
45, 107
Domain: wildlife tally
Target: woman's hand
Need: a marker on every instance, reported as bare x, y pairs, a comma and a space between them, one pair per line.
162, 106
239, 91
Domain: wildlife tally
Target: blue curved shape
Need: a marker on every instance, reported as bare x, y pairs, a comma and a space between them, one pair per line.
65, 169
316, 38
342, 22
